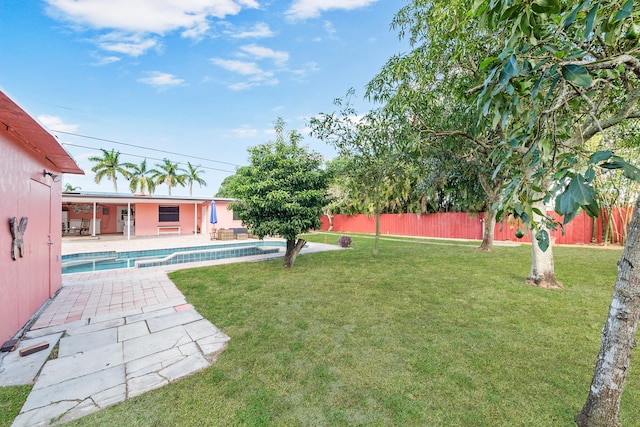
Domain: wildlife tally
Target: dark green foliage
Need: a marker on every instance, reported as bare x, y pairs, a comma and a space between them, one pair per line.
283, 190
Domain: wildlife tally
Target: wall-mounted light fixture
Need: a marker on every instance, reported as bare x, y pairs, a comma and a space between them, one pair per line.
56, 178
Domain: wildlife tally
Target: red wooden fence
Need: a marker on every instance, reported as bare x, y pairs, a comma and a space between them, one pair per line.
460, 225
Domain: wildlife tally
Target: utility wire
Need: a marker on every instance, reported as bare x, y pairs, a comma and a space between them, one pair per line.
140, 146
147, 157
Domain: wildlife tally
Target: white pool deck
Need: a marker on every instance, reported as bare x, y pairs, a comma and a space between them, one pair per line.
120, 332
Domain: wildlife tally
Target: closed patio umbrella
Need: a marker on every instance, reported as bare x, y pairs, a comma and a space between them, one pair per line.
213, 216
213, 219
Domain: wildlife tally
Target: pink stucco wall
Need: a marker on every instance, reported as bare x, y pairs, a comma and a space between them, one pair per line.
146, 217
26, 283
225, 216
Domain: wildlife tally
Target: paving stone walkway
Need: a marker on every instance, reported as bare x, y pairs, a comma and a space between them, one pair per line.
121, 333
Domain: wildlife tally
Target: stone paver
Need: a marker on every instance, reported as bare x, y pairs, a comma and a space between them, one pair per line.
25, 369
133, 330
107, 358
78, 343
174, 319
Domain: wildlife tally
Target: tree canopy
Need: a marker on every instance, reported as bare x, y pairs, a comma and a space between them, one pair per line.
555, 75
283, 190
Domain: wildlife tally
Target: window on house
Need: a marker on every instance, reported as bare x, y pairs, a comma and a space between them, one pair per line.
168, 213
235, 216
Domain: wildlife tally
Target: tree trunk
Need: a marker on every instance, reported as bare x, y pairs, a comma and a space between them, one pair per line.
488, 229
293, 249
602, 407
493, 195
542, 272
330, 218
377, 239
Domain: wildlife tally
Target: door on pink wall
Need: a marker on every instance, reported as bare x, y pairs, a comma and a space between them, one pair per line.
37, 241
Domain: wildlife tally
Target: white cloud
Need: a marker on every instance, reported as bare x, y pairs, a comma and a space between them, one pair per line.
56, 123
260, 52
255, 76
144, 17
245, 131
330, 29
260, 30
307, 68
160, 79
132, 45
105, 60
265, 79
302, 9
244, 68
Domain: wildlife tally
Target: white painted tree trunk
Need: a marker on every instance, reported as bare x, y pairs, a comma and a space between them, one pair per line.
602, 407
542, 272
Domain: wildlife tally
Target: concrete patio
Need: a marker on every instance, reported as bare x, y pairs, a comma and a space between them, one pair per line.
121, 333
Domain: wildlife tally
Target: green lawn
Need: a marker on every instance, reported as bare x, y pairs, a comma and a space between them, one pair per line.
420, 335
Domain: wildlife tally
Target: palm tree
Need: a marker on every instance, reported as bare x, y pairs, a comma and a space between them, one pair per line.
68, 188
109, 166
168, 173
141, 178
192, 176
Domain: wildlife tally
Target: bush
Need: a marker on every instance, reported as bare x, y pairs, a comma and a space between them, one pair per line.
344, 241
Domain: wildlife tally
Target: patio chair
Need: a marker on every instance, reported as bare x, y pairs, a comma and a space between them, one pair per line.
84, 228
214, 234
75, 226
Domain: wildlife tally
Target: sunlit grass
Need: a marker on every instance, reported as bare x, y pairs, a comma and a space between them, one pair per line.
420, 335
11, 400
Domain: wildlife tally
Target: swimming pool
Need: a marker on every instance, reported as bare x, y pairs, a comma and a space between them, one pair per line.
96, 261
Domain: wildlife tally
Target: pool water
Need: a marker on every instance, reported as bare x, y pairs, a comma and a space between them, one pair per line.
108, 260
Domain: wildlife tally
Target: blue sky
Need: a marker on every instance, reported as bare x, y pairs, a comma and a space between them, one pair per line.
204, 79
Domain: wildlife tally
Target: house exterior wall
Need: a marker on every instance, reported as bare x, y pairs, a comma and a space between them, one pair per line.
26, 283
224, 215
147, 223
146, 216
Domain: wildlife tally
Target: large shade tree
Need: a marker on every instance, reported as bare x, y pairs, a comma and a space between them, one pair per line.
282, 192
109, 166
428, 85
567, 72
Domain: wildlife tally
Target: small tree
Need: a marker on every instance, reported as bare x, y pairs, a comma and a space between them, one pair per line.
282, 191
372, 144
